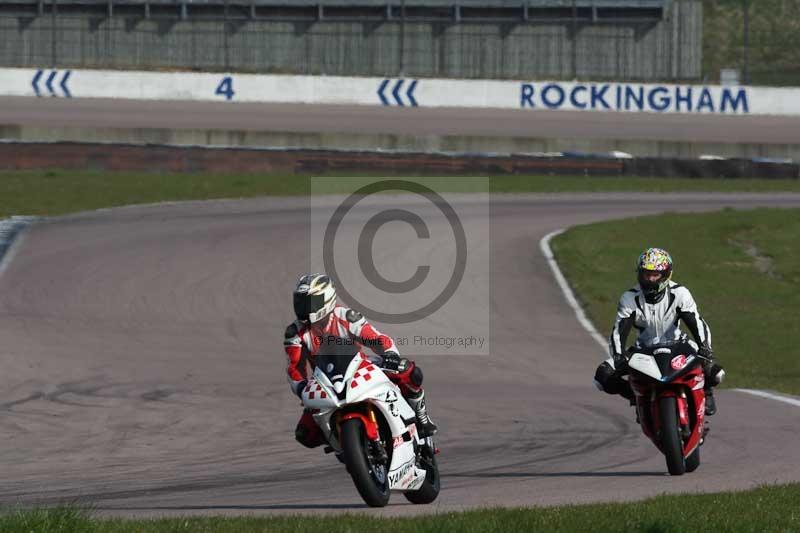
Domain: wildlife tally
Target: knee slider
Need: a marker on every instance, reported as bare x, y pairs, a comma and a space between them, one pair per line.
307, 438
607, 378
310, 437
301, 434
714, 374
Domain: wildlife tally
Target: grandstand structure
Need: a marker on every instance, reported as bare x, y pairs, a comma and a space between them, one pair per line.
355, 10
647, 40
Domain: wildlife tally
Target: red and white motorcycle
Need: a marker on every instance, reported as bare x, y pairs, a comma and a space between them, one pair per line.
369, 425
667, 381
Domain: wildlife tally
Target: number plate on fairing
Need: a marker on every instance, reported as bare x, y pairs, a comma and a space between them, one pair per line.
645, 364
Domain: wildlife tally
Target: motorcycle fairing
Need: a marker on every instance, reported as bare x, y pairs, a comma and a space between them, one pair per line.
684, 388
373, 387
318, 394
646, 364
658, 367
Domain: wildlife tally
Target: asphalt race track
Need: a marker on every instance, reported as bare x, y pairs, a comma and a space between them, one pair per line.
143, 371
107, 113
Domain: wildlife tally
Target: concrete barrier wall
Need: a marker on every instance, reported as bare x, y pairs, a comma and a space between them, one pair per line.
337, 90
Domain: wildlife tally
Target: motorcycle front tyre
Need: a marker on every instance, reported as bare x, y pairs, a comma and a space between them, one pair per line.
671, 443
429, 490
354, 449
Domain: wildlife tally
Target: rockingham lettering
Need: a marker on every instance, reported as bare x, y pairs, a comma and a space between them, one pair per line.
635, 98
598, 97
659, 103
706, 102
553, 102
735, 102
527, 95
683, 100
573, 97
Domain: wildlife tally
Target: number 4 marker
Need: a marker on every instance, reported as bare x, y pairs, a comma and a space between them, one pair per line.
225, 88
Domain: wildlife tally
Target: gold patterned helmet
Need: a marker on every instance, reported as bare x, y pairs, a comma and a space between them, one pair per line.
314, 298
654, 269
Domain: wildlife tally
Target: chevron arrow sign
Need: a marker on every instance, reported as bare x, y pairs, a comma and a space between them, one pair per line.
47, 83
393, 93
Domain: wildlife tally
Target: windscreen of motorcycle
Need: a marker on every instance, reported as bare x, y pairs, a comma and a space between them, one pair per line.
673, 366
334, 357
664, 367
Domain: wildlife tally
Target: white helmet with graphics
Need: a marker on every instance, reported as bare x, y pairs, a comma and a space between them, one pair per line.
314, 298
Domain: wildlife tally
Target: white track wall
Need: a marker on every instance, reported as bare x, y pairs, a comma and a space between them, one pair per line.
522, 95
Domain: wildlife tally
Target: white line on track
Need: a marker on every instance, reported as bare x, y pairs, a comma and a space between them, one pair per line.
791, 400
12, 232
544, 245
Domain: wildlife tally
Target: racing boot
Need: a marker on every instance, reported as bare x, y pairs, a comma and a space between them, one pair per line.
711, 405
714, 375
425, 425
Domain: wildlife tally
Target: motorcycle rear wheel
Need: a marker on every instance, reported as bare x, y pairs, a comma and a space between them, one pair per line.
671, 443
372, 485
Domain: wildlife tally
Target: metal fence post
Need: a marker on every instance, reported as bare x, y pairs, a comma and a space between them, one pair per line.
677, 21
746, 51
574, 40
402, 72
53, 47
225, 38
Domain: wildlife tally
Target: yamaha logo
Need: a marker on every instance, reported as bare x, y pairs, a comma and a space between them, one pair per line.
401, 473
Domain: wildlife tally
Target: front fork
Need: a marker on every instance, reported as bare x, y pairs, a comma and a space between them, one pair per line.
683, 411
683, 415
370, 422
369, 419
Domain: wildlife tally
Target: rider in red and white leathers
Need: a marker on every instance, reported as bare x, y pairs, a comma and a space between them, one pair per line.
655, 307
320, 319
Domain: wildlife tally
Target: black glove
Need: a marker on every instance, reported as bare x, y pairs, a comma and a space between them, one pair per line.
705, 351
391, 361
620, 363
298, 390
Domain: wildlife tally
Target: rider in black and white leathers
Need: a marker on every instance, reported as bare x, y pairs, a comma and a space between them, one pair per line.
657, 320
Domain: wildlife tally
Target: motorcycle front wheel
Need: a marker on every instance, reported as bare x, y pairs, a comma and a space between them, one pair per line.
671, 443
369, 476
693, 461
429, 490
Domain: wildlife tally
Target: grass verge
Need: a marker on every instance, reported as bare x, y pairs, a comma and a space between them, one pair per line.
743, 269
763, 509
60, 192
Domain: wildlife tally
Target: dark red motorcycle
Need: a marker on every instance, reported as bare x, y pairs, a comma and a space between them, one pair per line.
667, 381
